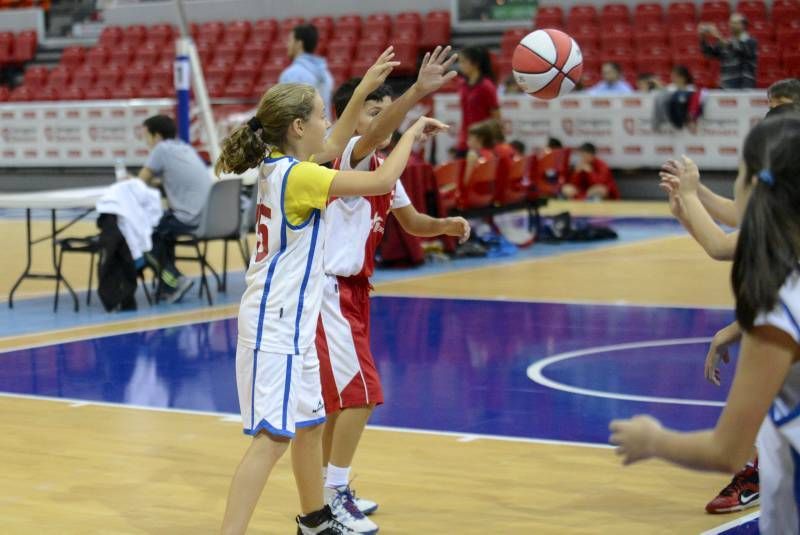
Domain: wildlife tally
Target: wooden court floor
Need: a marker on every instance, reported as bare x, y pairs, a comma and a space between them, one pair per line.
89, 468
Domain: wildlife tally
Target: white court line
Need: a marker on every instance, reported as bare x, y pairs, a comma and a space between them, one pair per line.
535, 373
732, 524
233, 417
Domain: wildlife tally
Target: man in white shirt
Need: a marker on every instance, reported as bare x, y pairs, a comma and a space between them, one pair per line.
612, 82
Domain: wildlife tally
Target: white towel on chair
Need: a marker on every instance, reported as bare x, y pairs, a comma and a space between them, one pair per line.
138, 210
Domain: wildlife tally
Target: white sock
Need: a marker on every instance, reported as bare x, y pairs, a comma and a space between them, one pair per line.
337, 476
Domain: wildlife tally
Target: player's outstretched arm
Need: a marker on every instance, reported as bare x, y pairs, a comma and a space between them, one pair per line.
383, 179
433, 74
425, 226
343, 130
720, 208
682, 178
766, 356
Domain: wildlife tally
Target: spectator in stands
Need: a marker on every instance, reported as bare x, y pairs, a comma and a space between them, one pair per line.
737, 55
478, 91
186, 181
519, 148
647, 82
784, 97
500, 147
612, 82
681, 79
307, 67
509, 87
591, 178
553, 143
480, 142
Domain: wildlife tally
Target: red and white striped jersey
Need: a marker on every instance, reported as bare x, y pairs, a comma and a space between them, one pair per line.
355, 225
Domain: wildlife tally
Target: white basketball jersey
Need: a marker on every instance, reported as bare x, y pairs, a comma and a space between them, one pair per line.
355, 225
779, 438
280, 306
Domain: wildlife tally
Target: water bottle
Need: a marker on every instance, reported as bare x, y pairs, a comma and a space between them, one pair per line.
120, 171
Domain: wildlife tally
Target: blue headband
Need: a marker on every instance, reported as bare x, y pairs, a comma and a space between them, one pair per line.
766, 177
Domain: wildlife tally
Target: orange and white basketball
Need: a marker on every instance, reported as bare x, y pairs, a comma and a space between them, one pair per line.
547, 64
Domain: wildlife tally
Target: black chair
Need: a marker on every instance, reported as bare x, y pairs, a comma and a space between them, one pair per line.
220, 220
87, 245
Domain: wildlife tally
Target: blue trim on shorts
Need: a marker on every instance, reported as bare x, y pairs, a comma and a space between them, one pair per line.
253, 390
287, 386
264, 425
310, 423
304, 284
796, 486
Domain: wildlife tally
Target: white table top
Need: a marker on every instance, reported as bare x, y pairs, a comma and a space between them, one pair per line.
54, 198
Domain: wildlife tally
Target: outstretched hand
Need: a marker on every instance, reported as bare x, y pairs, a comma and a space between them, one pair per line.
379, 71
683, 173
427, 127
433, 73
634, 438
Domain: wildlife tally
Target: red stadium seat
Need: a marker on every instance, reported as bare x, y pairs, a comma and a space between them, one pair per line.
612, 41
346, 33
511, 39
448, 178
73, 56
762, 31
407, 22
785, 10
259, 49
110, 76
247, 68
97, 93
585, 13
322, 22
549, 17
60, 75
239, 88
71, 93
265, 28
754, 10
790, 60
682, 12
510, 185
21, 94
5, 92
227, 53
36, 75
407, 53
241, 29
377, 38
587, 37
83, 77
24, 47
615, 13
435, 31
341, 49
210, 31
643, 39
219, 70
279, 53
765, 78
477, 190
148, 53
122, 54
161, 32
111, 36
161, 74
347, 25
787, 36
378, 22
715, 11
155, 91
96, 57
138, 74
648, 13
47, 93
134, 35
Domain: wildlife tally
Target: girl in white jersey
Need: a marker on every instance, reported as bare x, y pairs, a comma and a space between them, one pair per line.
276, 362
765, 393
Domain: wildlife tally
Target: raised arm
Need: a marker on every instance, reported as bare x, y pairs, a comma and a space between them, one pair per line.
682, 178
433, 74
382, 180
720, 208
343, 130
766, 356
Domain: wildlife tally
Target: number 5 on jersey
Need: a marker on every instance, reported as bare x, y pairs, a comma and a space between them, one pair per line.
262, 232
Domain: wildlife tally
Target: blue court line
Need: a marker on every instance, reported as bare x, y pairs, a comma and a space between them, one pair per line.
31, 315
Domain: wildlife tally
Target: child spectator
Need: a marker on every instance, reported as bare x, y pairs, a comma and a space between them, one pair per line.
591, 178
480, 142
519, 148
500, 148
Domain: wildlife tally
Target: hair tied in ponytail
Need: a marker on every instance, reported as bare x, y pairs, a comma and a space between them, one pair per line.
254, 124
766, 177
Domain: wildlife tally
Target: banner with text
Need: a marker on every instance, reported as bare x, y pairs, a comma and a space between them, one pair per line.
621, 126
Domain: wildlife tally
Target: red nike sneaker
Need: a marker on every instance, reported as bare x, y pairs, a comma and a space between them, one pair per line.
740, 494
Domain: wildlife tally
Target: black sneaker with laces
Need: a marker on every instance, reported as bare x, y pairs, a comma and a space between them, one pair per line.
321, 522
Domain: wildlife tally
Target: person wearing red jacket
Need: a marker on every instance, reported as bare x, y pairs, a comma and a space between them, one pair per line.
591, 178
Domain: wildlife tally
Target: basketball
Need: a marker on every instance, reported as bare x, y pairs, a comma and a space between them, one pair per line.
547, 64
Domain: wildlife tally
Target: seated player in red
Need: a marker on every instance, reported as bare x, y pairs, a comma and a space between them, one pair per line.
591, 178
480, 142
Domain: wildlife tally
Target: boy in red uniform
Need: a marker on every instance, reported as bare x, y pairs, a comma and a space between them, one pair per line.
591, 178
